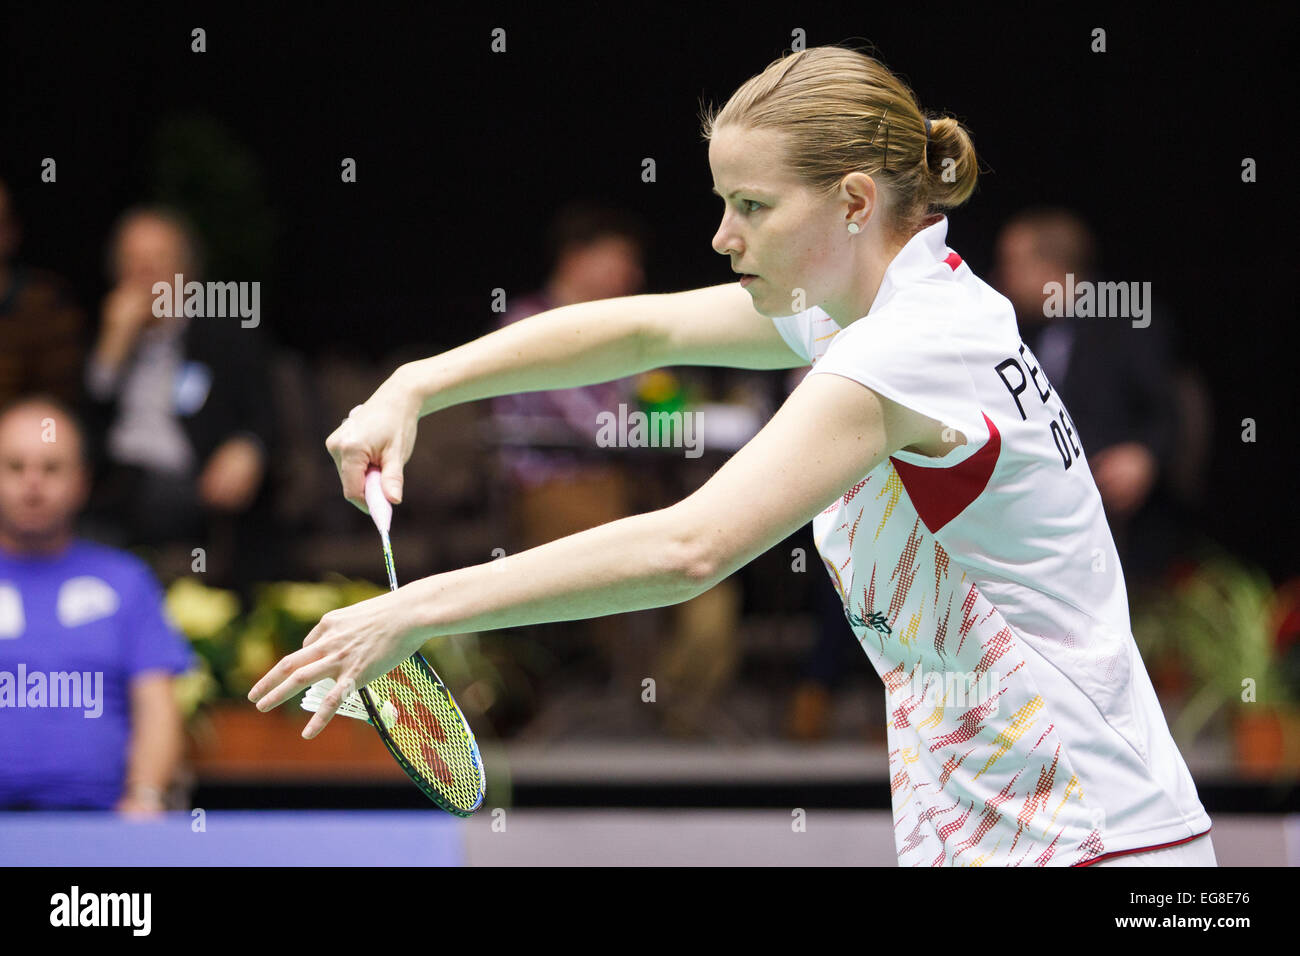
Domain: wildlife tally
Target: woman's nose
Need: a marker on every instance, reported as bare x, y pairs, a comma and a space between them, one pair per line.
724, 240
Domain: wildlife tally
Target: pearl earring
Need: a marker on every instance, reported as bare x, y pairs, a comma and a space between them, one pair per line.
853, 228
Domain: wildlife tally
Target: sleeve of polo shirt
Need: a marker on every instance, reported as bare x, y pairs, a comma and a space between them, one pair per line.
906, 354
797, 331
151, 641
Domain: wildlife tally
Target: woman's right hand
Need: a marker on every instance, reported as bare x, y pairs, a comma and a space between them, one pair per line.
380, 432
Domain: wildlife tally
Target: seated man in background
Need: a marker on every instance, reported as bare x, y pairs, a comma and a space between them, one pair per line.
597, 252
183, 408
1116, 379
593, 252
88, 717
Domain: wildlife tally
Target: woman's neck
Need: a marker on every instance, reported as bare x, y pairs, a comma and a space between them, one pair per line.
873, 261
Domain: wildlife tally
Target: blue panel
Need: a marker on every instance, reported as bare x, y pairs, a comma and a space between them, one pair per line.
234, 838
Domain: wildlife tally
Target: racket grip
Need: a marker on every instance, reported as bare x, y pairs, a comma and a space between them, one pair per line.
381, 510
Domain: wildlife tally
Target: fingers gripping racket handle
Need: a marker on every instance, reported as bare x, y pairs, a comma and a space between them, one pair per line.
381, 511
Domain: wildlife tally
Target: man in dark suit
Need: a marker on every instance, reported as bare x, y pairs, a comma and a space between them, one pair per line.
182, 406
1113, 372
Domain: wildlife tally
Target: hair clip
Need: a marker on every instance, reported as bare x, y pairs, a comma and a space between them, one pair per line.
883, 118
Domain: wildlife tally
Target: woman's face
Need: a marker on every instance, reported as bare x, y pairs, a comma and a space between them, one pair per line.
773, 227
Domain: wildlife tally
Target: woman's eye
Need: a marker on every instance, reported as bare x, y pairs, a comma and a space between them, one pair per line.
757, 204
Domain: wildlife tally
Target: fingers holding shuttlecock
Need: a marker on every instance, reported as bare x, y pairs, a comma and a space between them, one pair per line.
351, 706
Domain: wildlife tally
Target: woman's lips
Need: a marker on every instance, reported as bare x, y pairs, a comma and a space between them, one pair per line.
746, 280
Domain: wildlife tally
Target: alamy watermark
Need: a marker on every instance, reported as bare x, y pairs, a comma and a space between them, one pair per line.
76, 908
75, 689
209, 300
638, 429
1086, 299
948, 689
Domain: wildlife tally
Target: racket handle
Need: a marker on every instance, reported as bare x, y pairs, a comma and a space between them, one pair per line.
381, 510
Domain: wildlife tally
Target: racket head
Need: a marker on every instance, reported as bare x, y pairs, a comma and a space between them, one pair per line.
424, 729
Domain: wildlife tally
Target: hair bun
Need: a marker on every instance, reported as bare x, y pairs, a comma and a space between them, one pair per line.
950, 158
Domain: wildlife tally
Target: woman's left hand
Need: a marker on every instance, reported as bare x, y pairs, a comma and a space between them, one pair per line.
353, 645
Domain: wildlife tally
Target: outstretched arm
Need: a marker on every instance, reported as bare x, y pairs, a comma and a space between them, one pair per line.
577, 344
828, 434
600, 341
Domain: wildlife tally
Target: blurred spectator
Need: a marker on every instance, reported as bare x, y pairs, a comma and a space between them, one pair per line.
593, 253
42, 332
563, 483
1115, 379
184, 410
88, 717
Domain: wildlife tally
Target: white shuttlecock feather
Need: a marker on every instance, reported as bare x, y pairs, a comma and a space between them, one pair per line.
351, 706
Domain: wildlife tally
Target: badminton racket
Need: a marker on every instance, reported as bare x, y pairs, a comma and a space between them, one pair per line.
415, 714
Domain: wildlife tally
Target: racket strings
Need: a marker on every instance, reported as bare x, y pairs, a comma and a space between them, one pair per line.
419, 722
430, 732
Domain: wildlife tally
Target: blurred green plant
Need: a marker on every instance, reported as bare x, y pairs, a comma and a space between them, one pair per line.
1218, 621
196, 164
494, 676
660, 390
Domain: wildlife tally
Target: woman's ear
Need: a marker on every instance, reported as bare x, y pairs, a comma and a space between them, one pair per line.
858, 192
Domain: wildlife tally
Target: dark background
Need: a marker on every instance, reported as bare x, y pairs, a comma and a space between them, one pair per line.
463, 155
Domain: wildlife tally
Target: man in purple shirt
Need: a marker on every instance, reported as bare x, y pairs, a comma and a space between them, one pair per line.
88, 717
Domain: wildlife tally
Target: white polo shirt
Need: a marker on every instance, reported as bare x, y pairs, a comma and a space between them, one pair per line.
986, 590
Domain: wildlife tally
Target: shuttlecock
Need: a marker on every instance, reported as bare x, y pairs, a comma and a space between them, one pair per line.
351, 706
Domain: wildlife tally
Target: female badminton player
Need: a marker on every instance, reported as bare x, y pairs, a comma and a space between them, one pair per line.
948, 488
